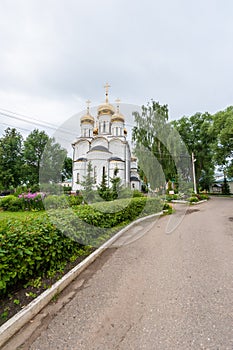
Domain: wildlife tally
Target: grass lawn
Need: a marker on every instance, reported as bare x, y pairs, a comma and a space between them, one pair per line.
5, 215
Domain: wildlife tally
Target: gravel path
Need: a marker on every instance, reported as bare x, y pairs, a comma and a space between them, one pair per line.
162, 291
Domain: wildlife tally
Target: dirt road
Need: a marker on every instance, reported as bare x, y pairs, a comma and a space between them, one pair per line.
160, 292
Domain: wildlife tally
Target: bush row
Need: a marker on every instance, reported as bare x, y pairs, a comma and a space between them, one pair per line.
31, 246
36, 201
109, 214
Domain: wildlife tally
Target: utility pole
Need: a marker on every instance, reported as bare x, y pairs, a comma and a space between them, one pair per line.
194, 174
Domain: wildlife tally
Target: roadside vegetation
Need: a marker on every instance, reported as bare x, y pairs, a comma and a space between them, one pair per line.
37, 246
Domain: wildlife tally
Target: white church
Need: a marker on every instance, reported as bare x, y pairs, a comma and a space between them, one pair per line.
103, 142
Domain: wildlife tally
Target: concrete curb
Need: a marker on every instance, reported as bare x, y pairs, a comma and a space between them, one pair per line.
13, 325
195, 203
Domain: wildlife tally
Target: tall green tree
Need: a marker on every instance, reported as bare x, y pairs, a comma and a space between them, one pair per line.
222, 128
115, 181
199, 138
52, 162
11, 159
67, 168
88, 184
34, 146
103, 189
157, 145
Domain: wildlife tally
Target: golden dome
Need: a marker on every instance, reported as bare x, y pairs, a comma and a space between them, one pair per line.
117, 117
87, 118
106, 108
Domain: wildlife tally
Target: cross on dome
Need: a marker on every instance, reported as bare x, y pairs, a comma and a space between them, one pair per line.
118, 104
88, 102
106, 86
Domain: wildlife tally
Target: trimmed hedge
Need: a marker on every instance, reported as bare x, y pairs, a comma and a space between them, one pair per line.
32, 246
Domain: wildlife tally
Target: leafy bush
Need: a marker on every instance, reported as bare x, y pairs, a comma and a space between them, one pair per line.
109, 214
30, 247
202, 196
137, 193
75, 200
56, 202
11, 203
32, 201
193, 199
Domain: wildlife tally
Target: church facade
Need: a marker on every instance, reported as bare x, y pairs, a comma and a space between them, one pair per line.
103, 142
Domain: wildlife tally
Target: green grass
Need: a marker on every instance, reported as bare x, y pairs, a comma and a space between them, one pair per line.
5, 215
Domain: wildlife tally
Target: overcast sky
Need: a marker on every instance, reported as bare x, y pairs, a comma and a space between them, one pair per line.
55, 54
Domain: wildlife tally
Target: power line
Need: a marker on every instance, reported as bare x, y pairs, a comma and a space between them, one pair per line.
35, 121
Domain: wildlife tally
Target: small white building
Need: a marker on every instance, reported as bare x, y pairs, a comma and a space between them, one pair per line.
103, 143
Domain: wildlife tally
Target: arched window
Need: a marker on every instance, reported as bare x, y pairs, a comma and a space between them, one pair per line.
104, 126
78, 179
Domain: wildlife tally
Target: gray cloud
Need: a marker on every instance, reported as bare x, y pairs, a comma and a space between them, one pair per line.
176, 52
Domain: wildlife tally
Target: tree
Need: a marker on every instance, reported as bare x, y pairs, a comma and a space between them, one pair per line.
11, 160
52, 162
115, 181
158, 147
67, 168
34, 146
222, 128
225, 186
199, 138
88, 184
103, 190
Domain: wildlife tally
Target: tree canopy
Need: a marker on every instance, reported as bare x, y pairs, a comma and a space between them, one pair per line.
30, 161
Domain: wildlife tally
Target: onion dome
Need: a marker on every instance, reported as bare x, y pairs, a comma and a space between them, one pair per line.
118, 117
87, 118
106, 108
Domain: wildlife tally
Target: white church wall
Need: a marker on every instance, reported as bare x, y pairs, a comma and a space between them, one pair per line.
117, 147
99, 141
81, 148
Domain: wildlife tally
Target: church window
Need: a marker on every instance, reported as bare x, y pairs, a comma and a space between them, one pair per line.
103, 170
78, 179
117, 131
104, 127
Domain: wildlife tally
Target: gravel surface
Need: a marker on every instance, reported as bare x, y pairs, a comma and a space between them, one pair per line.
162, 291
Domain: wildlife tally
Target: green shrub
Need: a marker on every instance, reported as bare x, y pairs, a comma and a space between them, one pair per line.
109, 214
137, 193
30, 247
11, 203
202, 196
193, 199
56, 202
75, 200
